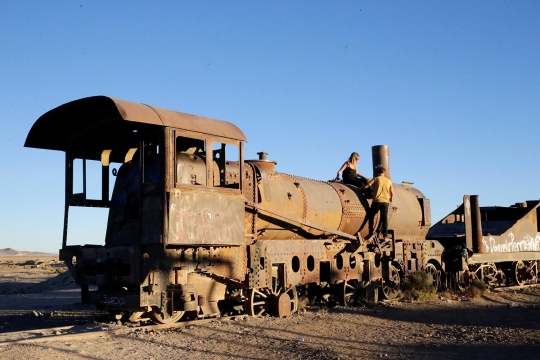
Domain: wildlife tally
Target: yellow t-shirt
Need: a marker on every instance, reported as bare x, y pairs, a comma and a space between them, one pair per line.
381, 186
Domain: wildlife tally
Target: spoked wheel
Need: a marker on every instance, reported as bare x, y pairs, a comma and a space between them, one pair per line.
391, 284
275, 301
320, 294
493, 276
347, 292
234, 301
519, 273
430, 269
164, 317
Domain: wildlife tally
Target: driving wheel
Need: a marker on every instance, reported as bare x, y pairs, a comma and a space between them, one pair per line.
391, 284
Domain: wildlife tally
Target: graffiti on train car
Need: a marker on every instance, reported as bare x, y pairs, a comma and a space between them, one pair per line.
202, 218
207, 225
528, 243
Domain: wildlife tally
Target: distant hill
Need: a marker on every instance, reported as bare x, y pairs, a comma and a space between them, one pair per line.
13, 252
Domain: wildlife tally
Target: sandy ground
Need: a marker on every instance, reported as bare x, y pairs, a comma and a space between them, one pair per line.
500, 325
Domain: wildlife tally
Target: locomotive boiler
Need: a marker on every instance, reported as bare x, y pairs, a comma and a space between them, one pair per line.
195, 230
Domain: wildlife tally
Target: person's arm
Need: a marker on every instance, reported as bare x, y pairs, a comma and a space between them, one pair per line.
370, 182
343, 167
391, 193
361, 176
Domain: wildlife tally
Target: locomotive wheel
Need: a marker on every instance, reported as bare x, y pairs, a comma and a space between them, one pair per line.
320, 294
234, 301
165, 317
275, 301
391, 284
430, 269
493, 276
347, 292
519, 273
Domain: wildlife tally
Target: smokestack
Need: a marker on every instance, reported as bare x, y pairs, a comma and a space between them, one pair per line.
380, 155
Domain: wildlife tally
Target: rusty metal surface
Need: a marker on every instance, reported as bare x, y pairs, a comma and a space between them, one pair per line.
476, 224
332, 206
206, 218
190, 170
298, 224
406, 214
380, 155
250, 193
306, 261
354, 208
56, 128
314, 201
226, 262
223, 261
104, 267
208, 291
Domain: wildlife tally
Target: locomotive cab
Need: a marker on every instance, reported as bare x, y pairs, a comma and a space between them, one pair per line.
176, 181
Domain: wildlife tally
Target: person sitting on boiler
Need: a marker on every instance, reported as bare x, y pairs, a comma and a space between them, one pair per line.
350, 172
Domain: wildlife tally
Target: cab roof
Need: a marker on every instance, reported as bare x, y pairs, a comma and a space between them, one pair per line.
55, 129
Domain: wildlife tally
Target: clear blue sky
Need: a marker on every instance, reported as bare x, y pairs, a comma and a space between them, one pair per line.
452, 87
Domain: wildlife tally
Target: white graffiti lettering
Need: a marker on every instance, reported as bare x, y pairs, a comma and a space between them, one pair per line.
486, 244
528, 243
113, 300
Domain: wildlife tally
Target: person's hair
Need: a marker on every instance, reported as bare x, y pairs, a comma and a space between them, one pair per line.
353, 159
381, 170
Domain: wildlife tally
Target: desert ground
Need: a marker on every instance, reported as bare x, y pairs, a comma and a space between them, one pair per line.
36, 294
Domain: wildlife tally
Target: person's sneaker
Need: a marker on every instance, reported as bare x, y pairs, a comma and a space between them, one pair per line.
385, 242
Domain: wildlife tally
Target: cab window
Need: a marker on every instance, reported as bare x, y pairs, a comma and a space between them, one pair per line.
226, 172
190, 161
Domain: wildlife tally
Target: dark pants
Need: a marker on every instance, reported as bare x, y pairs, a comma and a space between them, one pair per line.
358, 182
376, 207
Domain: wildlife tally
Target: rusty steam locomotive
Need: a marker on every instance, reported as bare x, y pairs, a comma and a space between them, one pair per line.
194, 230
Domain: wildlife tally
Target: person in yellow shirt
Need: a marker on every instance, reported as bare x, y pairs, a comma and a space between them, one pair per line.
383, 193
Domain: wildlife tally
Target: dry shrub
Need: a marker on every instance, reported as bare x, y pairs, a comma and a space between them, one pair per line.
417, 281
448, 294
476, 289
426, 295
302, 302
419, 287
479, 284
